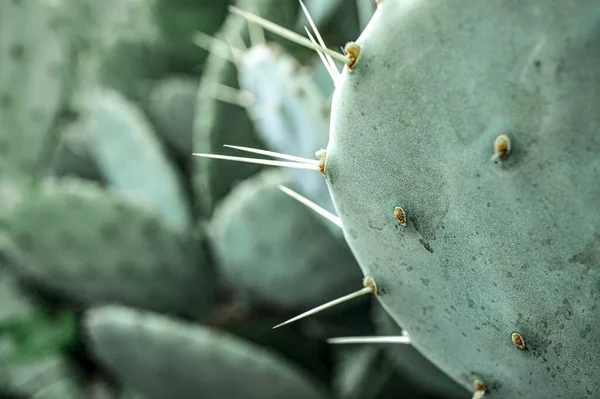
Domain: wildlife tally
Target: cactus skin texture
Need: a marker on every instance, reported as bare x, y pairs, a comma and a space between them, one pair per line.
126, 149
412, 364
490, 248
252, 246
94, 246
34, 76
164, 358
171, 106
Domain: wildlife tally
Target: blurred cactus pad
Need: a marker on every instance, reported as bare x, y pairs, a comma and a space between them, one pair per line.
317, 199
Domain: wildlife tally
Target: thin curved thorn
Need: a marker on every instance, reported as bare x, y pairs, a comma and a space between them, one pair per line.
318, 35
399, 339
331, 73
288, 34
370, 288
320, 210
231, 95
257, 161
274, 154
218, 47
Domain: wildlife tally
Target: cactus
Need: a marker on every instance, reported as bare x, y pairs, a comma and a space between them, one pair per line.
484, 253
364, 372
459, 134
165, 358
287, 112
73, 158
34, 80
449, 198
218, 123
171, 107
271, 255
336, 20
96, 247
123, 144
412, 364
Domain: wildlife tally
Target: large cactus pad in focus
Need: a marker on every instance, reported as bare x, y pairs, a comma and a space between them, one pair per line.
490, 248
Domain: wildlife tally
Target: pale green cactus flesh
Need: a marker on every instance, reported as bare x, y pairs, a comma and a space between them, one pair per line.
34, 74
171, 108
267, 243
490, 248
165, 358
287, 111
96, 247
123, 144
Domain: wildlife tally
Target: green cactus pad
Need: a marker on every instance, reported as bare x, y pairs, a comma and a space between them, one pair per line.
72, 158
412, 364
489, 248
288, 116
97, 247
122, 142
274, 249
164, 358
35, 68
171, 107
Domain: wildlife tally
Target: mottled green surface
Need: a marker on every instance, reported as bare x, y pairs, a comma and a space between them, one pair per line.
126, 149
489, 248
96, 247
34, 73
164, 359
288, 116
273, 249
171, 107
412, 364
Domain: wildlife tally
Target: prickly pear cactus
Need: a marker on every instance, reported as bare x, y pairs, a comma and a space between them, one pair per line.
165, 358
218, 123
412, 364
171, 108
94, 246
123, 143
272, 254
34, 76
288, 115
489, 249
